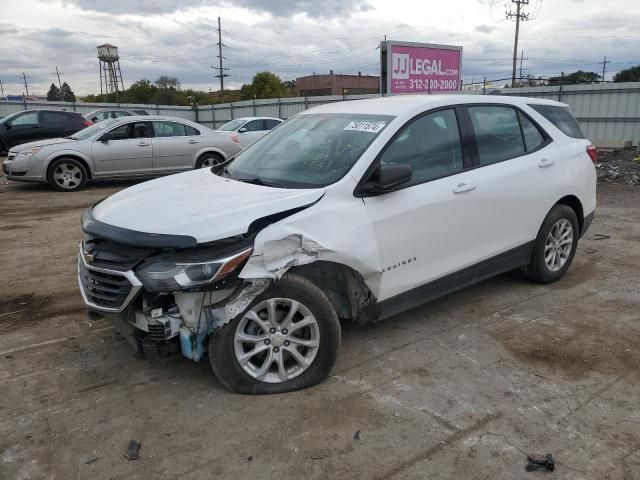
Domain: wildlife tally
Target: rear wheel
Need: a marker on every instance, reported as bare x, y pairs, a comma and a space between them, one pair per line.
287, 339
209, 160
555, 245
67, 175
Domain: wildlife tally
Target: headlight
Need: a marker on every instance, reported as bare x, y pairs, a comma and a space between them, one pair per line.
28, 153
170, 275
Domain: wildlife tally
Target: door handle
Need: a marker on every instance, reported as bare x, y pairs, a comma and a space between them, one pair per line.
143, 144
545, 162
192, 141
464, 187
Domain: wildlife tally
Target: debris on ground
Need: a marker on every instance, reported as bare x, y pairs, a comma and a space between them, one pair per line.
540, 463
600, 236
133, 450
91, 460
356, 436
619, 166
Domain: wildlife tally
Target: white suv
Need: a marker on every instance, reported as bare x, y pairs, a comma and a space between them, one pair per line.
349, 211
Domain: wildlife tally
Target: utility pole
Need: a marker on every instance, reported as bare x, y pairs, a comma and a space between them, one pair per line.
518, 15
604, 66
220, 68
58, 74
24, 78
1, 91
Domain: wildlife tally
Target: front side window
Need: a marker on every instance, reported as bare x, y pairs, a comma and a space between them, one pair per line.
310, 150
430, 144
30, 118
497, 133
254, 126
169, 129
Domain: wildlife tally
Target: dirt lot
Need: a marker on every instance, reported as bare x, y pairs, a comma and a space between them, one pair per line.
465, 387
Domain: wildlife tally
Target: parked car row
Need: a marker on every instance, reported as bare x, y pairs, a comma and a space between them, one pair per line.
126, 146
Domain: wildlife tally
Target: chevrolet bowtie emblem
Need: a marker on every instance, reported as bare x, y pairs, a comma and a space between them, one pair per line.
88, 257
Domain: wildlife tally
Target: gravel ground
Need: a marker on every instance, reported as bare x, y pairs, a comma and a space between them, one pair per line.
464, 387
619, 166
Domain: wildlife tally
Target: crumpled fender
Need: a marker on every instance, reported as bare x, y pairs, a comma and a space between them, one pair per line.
335, 229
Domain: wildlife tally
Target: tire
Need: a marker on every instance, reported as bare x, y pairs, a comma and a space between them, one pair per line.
225, 348
560, 223
209, 160
67, 175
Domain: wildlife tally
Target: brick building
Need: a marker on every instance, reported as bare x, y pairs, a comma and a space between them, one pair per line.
331, 84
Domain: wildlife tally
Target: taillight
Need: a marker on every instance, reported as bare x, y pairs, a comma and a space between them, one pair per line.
593, 153
234, 138
87, 123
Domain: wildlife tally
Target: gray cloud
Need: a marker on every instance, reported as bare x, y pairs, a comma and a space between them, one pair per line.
485, 28
278, 8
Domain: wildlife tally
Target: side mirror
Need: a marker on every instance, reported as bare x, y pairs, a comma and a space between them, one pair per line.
390, 177
7, 126
242, 130
104, 139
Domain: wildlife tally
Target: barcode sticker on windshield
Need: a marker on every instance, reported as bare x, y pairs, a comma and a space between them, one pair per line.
371, 127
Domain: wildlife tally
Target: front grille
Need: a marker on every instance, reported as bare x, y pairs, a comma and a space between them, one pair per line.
104, 290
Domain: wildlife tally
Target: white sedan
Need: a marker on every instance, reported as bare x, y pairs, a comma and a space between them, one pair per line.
246, 130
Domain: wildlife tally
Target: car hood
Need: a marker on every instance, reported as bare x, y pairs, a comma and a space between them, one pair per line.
41, 143
199, 204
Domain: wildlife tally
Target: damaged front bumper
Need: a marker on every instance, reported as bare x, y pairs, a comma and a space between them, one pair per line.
158, 324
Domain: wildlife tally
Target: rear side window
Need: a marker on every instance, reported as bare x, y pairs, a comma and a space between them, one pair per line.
430, 144
497, 132
561, 117
169, 129
272, 123
191, 131
533, 138
254, 126
55, 117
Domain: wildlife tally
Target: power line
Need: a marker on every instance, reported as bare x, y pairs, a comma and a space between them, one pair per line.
518, 15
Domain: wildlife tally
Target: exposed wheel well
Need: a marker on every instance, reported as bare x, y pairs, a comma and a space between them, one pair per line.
79, 159
344, 287
573, 202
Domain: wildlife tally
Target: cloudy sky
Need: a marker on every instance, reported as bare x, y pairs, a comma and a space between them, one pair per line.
298, 37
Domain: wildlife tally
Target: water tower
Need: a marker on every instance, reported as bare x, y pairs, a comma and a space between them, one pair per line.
110, 74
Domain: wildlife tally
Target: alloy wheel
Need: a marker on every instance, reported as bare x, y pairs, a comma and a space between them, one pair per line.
557, 248
277, 340
67, 175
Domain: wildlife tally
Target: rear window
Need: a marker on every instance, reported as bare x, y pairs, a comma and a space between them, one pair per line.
561, 117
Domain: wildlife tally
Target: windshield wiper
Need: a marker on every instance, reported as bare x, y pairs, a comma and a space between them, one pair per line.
260, 181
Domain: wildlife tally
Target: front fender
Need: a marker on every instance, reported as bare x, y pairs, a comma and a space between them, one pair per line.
69, 153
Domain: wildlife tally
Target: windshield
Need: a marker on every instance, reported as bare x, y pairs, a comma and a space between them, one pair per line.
92, 130
232, 125
9, 117
309, 150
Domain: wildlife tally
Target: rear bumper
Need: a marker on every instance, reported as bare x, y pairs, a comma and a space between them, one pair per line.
588, 219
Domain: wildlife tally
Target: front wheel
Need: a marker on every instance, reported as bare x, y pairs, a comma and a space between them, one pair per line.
67, 175
555, 245
287, 339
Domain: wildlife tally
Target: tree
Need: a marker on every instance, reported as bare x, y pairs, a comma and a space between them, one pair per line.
66, 93
54, 94
264, 85
576, 78
141, 91
629, 75
168, 83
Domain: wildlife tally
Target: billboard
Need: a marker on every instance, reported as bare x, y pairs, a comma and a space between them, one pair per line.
409, 67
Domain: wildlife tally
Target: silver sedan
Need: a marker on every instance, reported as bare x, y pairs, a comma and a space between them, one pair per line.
132, 146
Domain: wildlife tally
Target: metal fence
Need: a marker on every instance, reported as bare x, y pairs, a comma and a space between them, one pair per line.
606, 112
